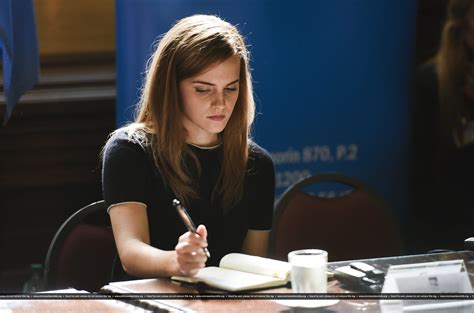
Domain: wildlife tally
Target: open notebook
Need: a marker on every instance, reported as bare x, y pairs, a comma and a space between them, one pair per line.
238, 272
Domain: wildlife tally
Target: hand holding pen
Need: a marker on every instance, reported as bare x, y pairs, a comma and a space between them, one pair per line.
188, 221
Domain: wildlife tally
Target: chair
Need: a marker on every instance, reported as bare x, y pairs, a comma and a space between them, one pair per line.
82, 252
353, 225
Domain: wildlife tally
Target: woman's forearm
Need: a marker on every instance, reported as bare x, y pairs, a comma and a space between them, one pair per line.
142, 260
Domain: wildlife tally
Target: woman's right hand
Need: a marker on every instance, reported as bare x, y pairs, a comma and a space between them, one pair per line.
189, 250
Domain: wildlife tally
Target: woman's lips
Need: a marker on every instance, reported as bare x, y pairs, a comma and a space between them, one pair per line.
216, 117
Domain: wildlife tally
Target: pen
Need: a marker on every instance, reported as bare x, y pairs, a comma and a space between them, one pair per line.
188, 221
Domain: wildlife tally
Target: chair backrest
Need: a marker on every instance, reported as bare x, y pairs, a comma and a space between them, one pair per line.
81, 253
354, 225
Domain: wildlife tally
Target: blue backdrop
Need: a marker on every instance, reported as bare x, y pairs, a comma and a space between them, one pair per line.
331, 80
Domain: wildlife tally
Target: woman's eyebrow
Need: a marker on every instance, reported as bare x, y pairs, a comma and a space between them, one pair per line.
211, 84
235, 81
202, 82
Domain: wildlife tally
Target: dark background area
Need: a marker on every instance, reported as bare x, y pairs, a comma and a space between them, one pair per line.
49, 151
430, 19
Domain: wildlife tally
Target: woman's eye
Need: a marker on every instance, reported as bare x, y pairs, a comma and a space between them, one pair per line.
201, 90
231, 89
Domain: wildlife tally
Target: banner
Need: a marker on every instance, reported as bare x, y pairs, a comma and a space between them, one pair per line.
331, 81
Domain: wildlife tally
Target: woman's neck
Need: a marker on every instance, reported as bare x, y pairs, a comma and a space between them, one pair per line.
206, 147
203, 143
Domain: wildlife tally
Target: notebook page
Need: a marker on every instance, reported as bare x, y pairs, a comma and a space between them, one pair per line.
257, 265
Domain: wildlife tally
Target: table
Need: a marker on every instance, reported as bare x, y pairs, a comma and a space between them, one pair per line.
69, 305
258, 305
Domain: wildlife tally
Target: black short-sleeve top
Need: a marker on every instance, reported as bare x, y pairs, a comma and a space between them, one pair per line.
129, 175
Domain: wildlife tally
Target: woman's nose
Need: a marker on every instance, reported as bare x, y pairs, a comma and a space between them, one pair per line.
219, 101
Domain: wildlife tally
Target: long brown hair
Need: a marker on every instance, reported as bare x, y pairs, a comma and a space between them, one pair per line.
189, 47
452, 62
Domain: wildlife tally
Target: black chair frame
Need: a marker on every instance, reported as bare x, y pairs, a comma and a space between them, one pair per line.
61, 234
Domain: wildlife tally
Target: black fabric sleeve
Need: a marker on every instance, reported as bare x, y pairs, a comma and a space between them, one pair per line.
125, 171
261, 216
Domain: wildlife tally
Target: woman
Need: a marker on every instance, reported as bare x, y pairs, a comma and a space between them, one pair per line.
444, 137
191, 142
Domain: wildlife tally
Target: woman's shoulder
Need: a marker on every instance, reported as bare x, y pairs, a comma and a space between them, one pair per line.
427, 68
127, 137
259, 154
427, 74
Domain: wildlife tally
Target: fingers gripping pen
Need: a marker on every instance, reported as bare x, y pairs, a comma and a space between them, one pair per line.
187, 221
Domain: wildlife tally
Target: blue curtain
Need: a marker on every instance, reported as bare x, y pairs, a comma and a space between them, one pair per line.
18, 50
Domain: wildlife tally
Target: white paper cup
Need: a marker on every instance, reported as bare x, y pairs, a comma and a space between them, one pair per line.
308, 270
